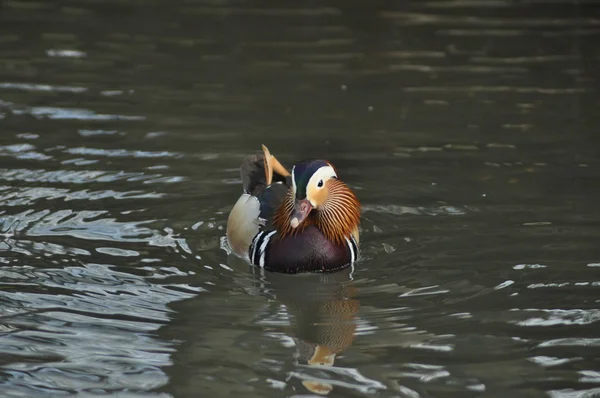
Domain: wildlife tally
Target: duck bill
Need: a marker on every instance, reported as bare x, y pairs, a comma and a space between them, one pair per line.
302, 208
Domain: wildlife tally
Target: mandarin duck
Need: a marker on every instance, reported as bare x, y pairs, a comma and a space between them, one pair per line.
303, 221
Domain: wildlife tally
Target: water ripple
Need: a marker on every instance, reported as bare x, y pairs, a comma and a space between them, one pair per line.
271, 12
551, 317
83, 176
121, 153
87, 340
42, 87
346, 378
72, 113
84, 224
401, 210
407, 18
66, 53
22, 151
498, 89
22, 196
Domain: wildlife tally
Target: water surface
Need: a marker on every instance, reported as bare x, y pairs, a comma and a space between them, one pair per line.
467, 128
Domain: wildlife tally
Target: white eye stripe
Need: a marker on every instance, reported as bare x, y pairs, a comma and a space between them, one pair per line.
323, 173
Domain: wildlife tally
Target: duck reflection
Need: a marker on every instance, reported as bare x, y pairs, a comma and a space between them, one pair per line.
229, 337
322, 311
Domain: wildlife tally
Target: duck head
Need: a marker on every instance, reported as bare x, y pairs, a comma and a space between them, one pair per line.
318, 196
310, 188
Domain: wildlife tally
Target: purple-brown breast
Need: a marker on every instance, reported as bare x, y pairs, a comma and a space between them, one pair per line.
307, 251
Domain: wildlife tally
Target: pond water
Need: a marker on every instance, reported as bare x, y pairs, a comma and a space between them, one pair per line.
468, 129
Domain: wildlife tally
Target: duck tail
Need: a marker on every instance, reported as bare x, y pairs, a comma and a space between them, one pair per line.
260, 170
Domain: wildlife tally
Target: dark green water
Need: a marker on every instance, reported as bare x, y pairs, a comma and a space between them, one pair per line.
469, 130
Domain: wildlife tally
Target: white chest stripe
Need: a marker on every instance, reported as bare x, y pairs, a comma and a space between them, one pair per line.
353, 249
255, 244
263, 248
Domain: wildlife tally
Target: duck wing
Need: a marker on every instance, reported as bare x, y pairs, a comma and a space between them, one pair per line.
260, 170
265, 183
266, 179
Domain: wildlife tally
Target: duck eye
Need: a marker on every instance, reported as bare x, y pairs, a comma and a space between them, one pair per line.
320, 184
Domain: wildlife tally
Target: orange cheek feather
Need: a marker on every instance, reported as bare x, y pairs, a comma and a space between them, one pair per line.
319, 196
